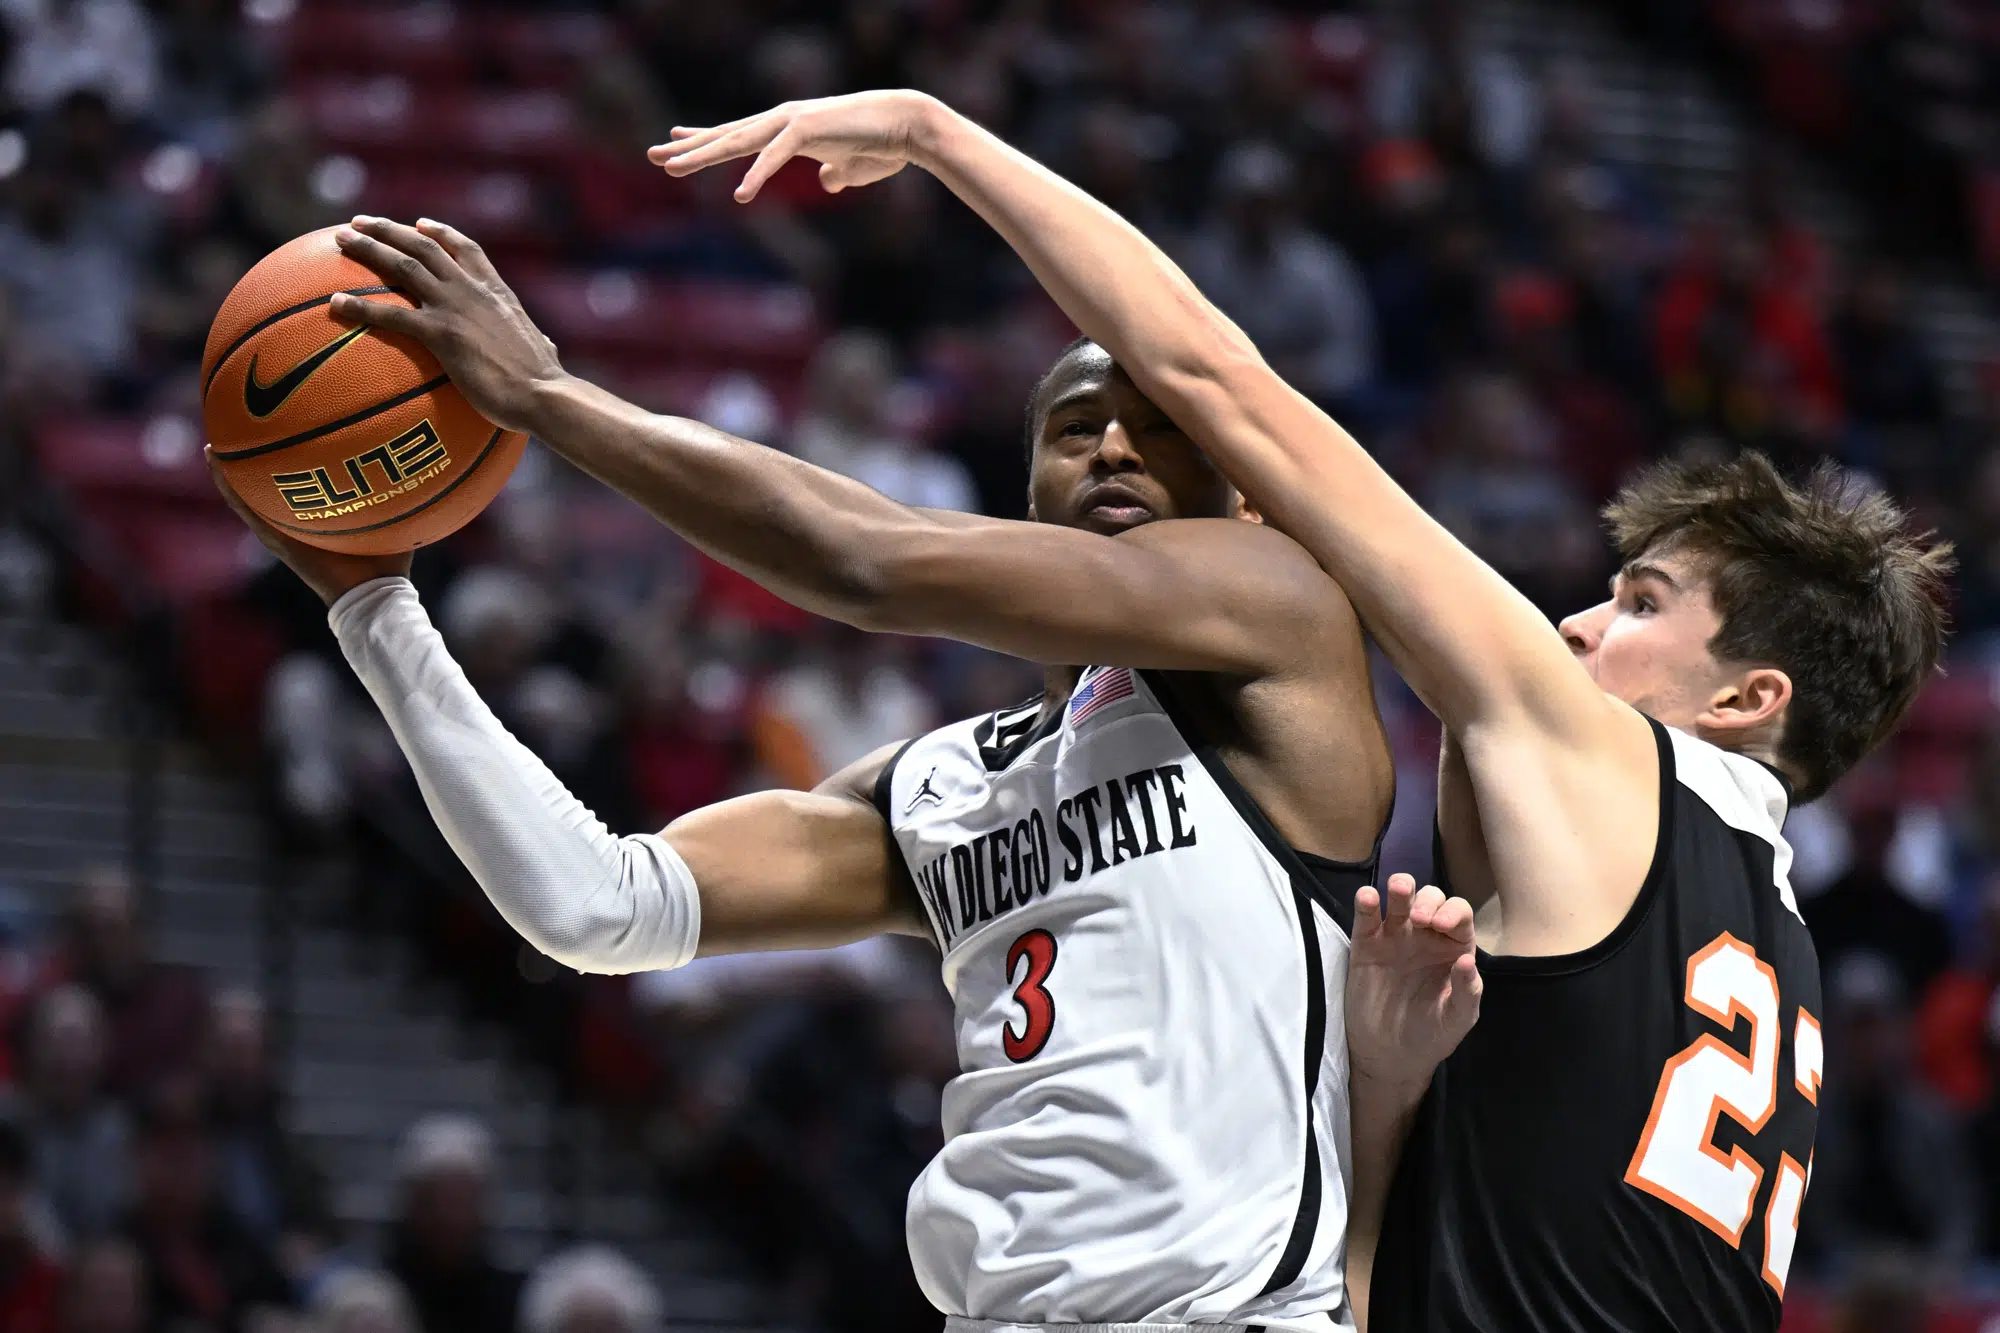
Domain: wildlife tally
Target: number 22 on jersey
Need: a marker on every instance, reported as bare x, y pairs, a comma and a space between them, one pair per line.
1677, 1160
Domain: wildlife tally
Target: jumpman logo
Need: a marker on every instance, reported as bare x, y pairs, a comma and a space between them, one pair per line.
924, 792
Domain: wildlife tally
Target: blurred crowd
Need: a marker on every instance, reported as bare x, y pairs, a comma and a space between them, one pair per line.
148, 1183
1423, 233
1905, 93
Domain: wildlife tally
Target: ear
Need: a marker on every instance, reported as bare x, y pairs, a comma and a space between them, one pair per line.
1755, 700
1032, 516
1240, 507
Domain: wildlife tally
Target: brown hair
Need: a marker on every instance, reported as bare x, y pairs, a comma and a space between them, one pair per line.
1823, 579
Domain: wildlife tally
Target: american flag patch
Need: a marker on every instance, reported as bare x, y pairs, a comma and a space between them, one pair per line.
1100, 691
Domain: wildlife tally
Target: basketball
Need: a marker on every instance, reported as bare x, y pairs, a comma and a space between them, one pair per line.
347, 437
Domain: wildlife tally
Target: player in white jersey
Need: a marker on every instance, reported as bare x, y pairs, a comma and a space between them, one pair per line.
1143, 883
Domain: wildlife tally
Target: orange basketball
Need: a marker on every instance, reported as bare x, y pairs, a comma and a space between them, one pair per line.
346, 437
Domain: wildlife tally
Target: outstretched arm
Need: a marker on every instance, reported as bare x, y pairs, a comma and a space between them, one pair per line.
1215, 596
1548, 751
776, 870
1471, 645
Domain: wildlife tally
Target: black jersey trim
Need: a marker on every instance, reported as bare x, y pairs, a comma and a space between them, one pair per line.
880, 794
1334, 892
1568, 964
1026, 725
1330, 883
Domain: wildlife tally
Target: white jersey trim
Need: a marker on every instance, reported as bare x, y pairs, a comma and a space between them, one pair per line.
1745, 795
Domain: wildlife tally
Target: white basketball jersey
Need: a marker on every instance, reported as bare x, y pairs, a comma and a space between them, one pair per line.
1150, 1125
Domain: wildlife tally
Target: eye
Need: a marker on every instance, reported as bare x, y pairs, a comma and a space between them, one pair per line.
1643, 604
1074, 428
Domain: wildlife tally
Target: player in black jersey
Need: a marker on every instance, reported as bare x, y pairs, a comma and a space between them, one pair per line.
1624, 1140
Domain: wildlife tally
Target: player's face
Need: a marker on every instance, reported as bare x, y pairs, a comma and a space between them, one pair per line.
1649, 644
1107, 459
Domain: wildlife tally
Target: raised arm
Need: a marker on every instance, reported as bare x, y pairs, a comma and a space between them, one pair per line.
1472, 646
1214, 596
775, 870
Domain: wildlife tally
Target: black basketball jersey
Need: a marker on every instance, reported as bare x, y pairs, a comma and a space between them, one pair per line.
1624, 1139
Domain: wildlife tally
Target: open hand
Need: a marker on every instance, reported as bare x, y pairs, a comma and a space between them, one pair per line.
468, 318
858, 139
1413, 981
328, 573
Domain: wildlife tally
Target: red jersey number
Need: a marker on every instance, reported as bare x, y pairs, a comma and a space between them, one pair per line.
1038, 948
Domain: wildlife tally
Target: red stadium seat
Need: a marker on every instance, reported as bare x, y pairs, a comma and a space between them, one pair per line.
391, 114
158, 457
501, 208
631, 318
543, 50
427, 42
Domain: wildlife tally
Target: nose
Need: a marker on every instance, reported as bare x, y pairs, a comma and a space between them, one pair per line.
1585, 630
1116, 452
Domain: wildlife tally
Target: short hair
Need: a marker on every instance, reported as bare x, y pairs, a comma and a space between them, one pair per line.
1031, 427
1823, 579
444, 1143
586, 1271
361, 1298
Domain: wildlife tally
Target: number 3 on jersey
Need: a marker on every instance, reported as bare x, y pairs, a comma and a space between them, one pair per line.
1038, 947
1677, 1160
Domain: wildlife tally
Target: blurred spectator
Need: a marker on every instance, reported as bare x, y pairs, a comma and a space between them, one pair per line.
847, 696
1891, 383
1958, 1024
72, 285
359, 1301
845, 428
106, 1291
79, 1140
30, 1281
681, 752
205, 1267
905, 268
212, 73
439, 1247
1741, 355
590, 1289
1491, 483
1865, 911
266, 1178
158, 1011
1293, 292
1434, 80
1889, 1166
1885, 1294
62, 45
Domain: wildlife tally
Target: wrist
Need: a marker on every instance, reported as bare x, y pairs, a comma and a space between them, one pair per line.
543, 401
1394, 1086
928, 123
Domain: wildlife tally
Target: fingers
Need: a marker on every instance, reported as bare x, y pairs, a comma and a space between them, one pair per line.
399, 270
1367, 910
411, 242
1464, 988
776, 153
464, 251
1396, 904
1453, 918
352, 309
265, 533
707, 148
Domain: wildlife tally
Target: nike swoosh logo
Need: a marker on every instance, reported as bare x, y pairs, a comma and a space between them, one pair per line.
261, 400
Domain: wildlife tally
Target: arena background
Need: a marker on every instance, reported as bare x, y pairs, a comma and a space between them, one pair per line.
263, 1041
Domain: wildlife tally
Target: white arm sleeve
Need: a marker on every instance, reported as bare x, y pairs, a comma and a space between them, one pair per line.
583, 897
